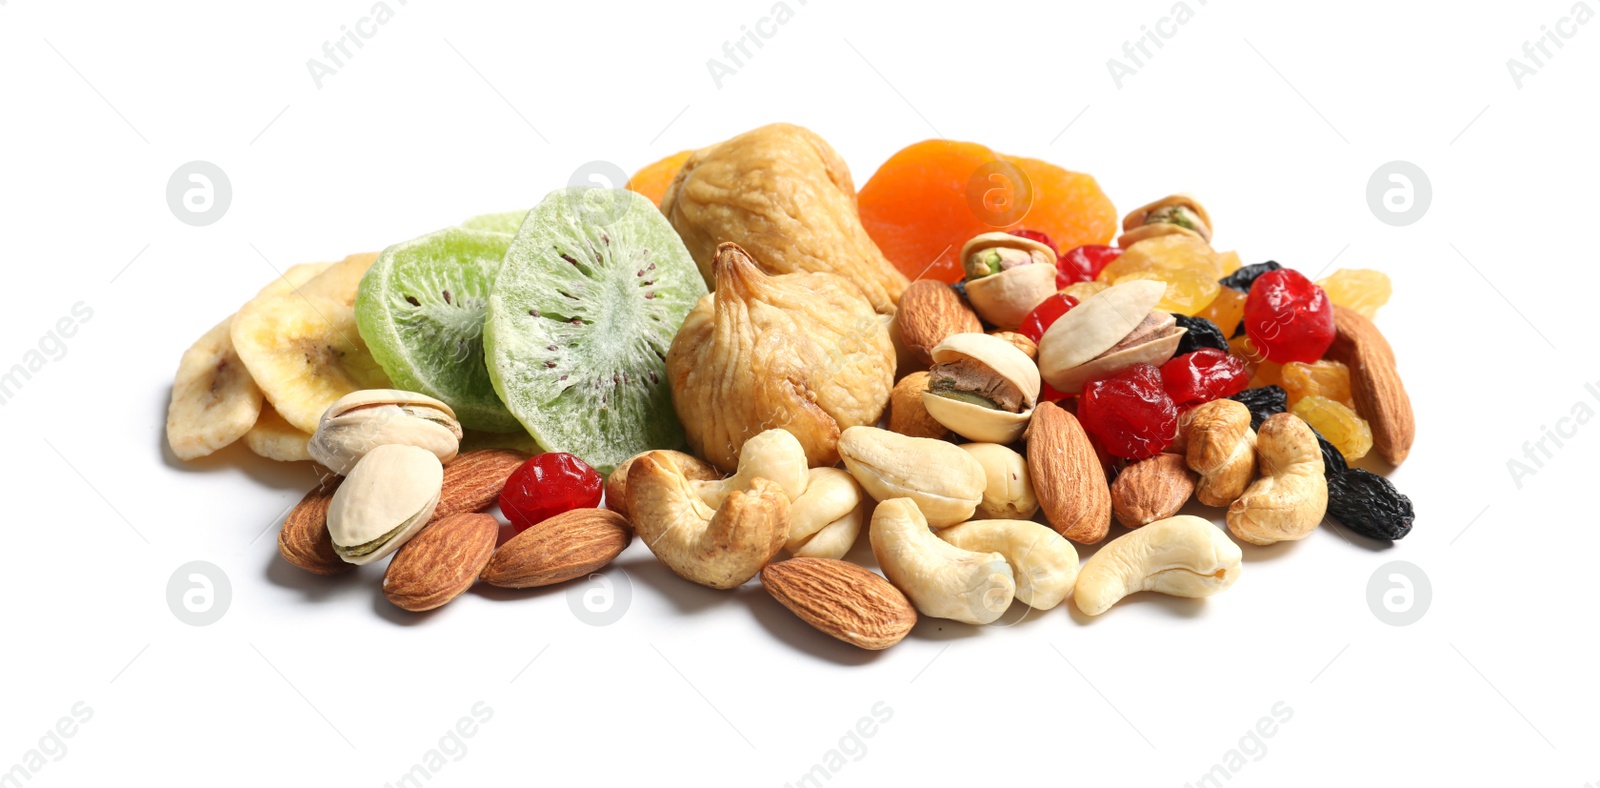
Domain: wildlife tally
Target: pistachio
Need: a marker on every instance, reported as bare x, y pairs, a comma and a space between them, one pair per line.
364, 420
1107, 333
385, 500
982, 387
1007, 276
1177, 213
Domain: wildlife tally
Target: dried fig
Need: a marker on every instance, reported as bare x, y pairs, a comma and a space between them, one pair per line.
804, 352
783, 194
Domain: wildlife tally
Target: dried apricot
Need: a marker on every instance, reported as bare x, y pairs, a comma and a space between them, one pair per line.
1360, 289
1325, 378
931, 197
653, 179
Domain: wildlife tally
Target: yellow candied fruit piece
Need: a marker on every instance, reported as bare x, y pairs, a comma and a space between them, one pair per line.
1082, 290
1325, 378
1167, 253
1360, 289
1348, 433
1262, 371
1226, 310
1188, 292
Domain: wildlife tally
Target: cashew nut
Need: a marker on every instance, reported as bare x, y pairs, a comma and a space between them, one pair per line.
719, 548
1008, 491
826, 519
691, 466
774, 455
942, 580
1291, 496
1181, 556
945, 482
1221, 447
1043, 562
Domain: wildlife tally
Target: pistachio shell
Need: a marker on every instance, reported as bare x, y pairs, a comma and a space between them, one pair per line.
1136, 218
1007, 241
366, 397
995, 353
384, 501
975, 422
1006, 298
1149, 231
1156, 351
364, 420
1096, 325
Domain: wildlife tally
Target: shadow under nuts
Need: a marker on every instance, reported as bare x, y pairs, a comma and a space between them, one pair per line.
804, 352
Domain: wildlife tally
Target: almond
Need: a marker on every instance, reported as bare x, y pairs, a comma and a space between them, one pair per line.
1375, 384
1067, 476
304, 541
565, 547
907, 415
473, 481
842, 600
1151, 489
929, 312
442, 562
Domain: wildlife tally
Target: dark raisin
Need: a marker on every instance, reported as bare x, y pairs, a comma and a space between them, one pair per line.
1238, 330
1243, 278
1369, 505
960, 288
1202, 333
1263, 402
1333, 462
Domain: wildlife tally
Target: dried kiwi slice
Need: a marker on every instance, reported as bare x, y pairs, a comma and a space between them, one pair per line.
508, 222
592, 292
421, 308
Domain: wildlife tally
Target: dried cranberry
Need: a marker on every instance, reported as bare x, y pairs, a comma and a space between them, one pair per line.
1047, 312
1084, 263
546, 486
1130, 413
1204, 375
1288, 317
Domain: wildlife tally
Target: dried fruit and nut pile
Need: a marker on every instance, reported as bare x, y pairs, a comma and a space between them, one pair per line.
702, 353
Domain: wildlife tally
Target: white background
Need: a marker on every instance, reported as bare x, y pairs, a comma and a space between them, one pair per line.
1275, 115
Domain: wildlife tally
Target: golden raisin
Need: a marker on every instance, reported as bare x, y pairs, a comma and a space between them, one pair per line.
1349, 433
1325, 378
1226, 310
1359, 289
1082, 290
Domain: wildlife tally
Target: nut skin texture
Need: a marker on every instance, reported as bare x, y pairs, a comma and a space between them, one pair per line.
564, 547
944, 482
942, 580
440, 563
1221, 447
1290, 498
719, 548
1181, 556
1151, 489
1008, 487
1067, 475
803, 352
907, 415
303, 540
1020, 342
473, 481
783, 193
1044, 565
929, 312
842, 600
1375, 384
692, 467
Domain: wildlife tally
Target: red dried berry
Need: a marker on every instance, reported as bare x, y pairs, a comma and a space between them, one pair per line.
1035, 235
547, 485
1130, 413
1288, 317
1204, 375
1048, 311
1084, 263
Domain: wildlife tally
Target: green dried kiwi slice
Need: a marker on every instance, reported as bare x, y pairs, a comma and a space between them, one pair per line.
420, 309
509, 222
592, 292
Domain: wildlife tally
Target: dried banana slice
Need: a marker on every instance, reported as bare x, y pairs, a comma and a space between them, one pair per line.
214, 400
305, 353
276, 439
